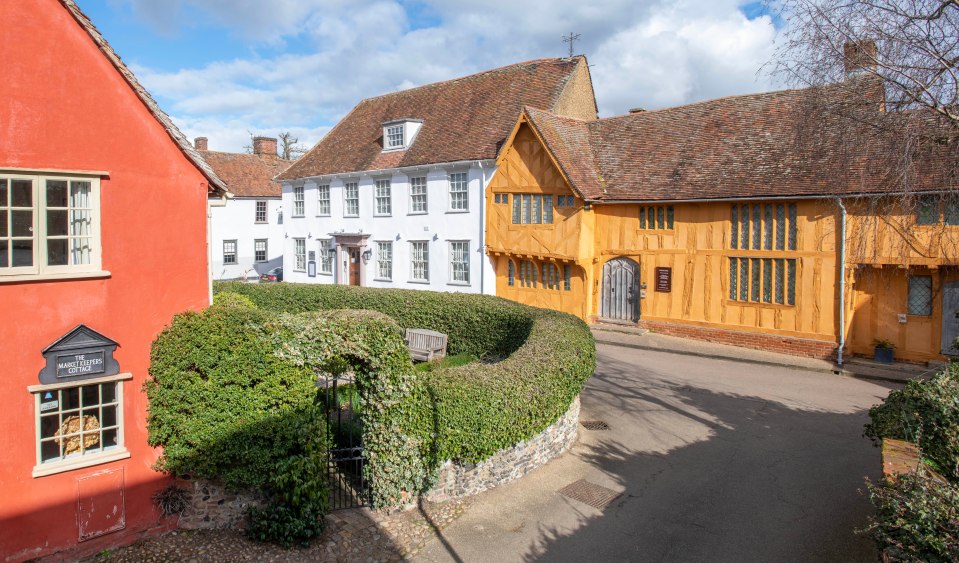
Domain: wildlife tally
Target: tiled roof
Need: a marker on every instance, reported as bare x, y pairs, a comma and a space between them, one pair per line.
216, 184
463, 119
759, 145
247, 175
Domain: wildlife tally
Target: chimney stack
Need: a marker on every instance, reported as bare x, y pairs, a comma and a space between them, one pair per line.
200, 143
859, 56
264, 146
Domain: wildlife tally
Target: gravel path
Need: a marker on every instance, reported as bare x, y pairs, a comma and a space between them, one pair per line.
351, 535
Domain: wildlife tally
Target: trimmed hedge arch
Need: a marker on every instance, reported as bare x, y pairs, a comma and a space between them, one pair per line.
466, 413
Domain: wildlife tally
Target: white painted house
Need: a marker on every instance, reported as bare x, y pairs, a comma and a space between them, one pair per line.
246, 233
393, 196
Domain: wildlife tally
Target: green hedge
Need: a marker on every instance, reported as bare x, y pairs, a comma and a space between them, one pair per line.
927, 413
470, 412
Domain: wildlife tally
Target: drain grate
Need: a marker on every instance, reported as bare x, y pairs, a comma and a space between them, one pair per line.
594, 425
592, 494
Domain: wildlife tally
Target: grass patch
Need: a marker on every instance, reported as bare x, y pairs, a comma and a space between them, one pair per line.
453, 361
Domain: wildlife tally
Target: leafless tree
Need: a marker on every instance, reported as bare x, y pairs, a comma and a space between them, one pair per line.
911, 46
290, 147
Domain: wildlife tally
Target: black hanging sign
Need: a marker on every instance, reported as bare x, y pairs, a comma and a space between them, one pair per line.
82, 353
664, 280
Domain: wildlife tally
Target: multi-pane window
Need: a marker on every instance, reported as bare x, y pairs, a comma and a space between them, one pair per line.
567, 275
420, 260
656, 217
299, 254
323, 200
259, 250
545, 275
394, 136
460, 261
532, 209
502, 199
418, 198
551, 276
528, 272
384, 197
565, 201
229, 252
763, 226
920, 295
299, 203
326, 256
511, 272
351, 199
260, 214
928, 210
459, 198
763, 280
74, 422
384, 260
48, 224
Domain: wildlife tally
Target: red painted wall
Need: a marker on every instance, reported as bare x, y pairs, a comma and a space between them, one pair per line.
64, 106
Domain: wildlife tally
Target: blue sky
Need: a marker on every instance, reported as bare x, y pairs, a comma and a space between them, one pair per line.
226, 68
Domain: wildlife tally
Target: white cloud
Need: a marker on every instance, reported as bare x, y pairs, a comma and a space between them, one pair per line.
649, 53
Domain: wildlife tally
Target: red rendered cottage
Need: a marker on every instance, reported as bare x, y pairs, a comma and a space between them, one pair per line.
103, 237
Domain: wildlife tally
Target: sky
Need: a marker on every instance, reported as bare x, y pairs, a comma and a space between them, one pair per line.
224, 69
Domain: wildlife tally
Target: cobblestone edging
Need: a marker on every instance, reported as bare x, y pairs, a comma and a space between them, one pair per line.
211, 507
458, 481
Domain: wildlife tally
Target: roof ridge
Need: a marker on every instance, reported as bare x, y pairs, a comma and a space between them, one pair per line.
152, 106
558, 116
472, 76
704, 102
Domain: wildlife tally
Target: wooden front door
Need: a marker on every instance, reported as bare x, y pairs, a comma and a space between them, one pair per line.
620, 291
354, 266
950, 317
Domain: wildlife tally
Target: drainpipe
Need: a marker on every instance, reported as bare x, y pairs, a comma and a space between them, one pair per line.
210, 204
842, 282
482, 228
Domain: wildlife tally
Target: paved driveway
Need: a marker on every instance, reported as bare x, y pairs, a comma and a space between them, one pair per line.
716, 461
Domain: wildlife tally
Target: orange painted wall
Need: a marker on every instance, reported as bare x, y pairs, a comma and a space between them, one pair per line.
64, 106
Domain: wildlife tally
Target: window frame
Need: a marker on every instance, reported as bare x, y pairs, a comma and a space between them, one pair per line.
322, 201
299, 258
425, 261
464, 264
415, 185
299, 202
390, 132
453, 195
118, 452
258, 213
909, 289
235, 253
266, 250
326, 257
40, 269
380, 245
347, 188
378, 199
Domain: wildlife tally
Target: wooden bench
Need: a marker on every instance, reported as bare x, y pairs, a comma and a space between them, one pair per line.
425, 345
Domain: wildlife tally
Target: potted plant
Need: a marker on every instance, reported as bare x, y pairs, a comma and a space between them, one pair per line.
884, 350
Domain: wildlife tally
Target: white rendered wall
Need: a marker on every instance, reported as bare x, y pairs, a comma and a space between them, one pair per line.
237, 221
438, 226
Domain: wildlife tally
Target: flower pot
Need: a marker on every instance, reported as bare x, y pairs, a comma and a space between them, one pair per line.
884, 355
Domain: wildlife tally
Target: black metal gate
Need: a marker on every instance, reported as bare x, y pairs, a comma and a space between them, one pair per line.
344, 425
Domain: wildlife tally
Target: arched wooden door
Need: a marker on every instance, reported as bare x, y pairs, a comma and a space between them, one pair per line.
620, 290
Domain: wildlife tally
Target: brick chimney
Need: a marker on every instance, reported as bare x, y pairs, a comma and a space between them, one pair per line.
859, 56
200, 143
264, 145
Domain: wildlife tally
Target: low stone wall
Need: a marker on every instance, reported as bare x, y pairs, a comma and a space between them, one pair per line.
212, 507
819, 349
457, 481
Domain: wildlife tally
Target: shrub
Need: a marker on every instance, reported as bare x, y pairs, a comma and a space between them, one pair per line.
464, 413
917, 518
926, 412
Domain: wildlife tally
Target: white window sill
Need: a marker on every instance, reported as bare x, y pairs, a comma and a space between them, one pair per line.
421, 282
351, 216
325, 273
54, 277
297, 216
322, 214
461, 284
382, 215
458, 211
261, 222
418, 213
80, 462
396, 149
383, 279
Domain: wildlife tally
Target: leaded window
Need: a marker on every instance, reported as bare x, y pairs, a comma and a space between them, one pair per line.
532, 209
920, 295
656, 217
763, 280
511, 272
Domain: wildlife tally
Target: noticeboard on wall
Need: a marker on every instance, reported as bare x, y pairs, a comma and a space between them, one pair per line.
664, 280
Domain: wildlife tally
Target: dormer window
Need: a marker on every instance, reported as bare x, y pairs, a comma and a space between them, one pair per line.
399, 134
394, 137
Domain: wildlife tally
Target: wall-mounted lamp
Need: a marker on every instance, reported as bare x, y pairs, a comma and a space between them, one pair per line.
309, 235
367, 254
436, 237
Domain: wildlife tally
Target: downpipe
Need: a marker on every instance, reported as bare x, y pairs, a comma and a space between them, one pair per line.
842, 283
